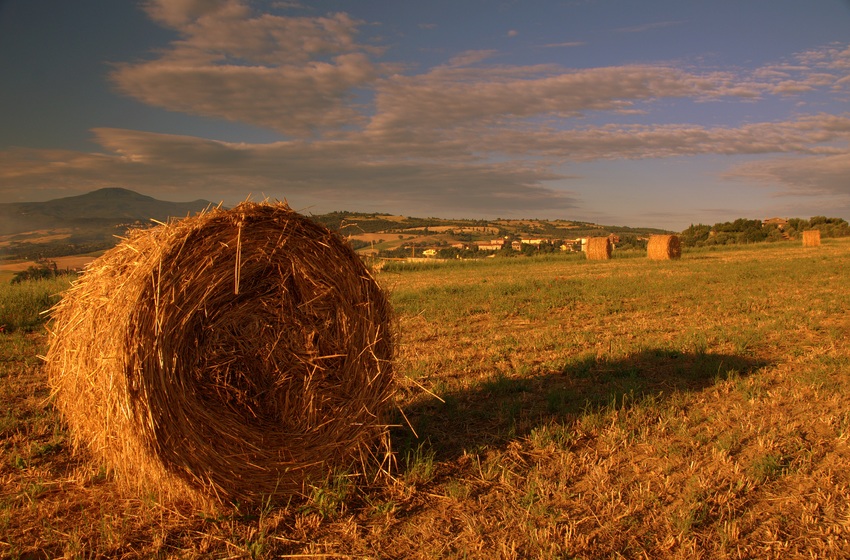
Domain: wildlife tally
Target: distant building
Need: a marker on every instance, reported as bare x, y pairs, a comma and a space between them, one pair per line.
778, 222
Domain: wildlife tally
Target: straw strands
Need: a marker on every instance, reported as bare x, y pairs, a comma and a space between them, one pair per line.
238, 355
599, 248
811, 238
664, 247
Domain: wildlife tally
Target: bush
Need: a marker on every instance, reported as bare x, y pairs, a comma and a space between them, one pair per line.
23, 304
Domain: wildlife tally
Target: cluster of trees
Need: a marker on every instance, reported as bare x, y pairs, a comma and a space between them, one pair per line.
754, 231
41, 271
829, 227
35, 251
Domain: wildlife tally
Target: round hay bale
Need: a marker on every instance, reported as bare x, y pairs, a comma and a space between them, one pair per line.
599, 248
811, 238
664, 247
237, 355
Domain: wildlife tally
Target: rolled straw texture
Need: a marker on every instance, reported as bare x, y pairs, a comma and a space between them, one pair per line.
599, 248
236, 355
664, 247
811, 238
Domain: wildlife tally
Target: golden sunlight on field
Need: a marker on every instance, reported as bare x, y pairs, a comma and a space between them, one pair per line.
548, 407
74, 262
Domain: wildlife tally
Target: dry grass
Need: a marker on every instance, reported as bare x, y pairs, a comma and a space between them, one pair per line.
639, 409
62, 263
236, 355
598, 248
664, 247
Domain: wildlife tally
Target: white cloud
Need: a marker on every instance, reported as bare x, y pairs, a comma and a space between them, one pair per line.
291, 74
466, 137
817, 134
291, 99
450, 96
812, 176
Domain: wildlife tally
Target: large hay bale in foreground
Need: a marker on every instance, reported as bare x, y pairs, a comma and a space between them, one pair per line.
237, 355
811, 238
664, 247
599, 248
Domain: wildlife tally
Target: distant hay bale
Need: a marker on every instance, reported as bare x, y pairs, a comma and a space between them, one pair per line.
811, 238
237, 355
664, 247
599, 248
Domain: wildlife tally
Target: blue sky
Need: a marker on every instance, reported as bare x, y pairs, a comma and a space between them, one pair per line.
654, 113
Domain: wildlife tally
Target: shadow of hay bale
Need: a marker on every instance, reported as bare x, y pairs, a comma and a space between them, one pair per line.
236, 355
502, 408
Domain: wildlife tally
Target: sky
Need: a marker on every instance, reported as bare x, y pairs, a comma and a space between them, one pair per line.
652, 113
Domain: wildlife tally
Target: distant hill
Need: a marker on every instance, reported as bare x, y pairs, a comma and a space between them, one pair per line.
81, 224
103, 207
93, 222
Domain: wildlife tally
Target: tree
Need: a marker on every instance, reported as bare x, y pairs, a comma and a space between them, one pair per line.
696, 235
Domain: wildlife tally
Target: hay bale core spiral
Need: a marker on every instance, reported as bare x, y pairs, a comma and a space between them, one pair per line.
599, 248
236, 355
811, 238
663, 247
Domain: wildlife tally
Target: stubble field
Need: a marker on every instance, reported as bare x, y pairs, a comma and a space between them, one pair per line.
549, 408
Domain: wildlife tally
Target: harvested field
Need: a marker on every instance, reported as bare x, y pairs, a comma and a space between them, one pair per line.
561, 407
75, 262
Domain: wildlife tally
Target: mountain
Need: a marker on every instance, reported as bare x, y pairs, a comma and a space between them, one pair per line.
100, 208
81, 224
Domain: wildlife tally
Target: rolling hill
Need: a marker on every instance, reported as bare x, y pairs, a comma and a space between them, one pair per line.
93, 222
103, 207
80, 224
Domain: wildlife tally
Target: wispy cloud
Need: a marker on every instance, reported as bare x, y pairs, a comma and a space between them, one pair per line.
293, 169
649, 26
293, 74
812, 176
567, 44
468, 137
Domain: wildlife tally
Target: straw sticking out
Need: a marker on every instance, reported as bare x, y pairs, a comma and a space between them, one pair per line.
235, 355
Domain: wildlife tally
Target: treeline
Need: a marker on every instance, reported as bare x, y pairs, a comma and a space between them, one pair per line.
41, 271
754, 231
353, 223
38, 251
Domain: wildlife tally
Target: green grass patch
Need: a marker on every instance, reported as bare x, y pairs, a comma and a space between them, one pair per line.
23, 305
